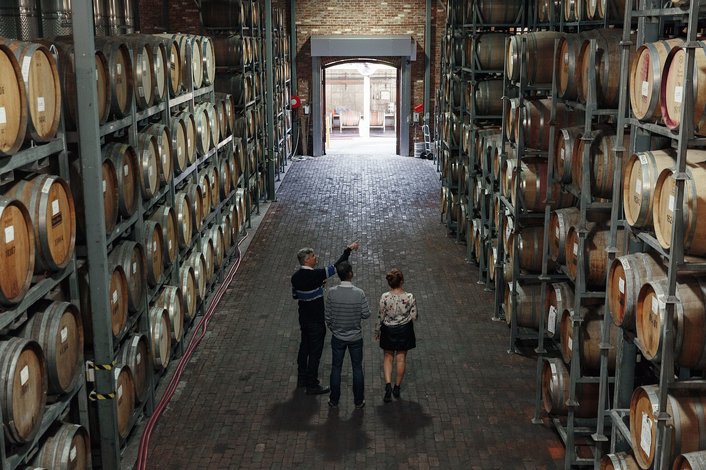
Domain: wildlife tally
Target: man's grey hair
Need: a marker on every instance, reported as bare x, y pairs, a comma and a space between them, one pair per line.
303, 254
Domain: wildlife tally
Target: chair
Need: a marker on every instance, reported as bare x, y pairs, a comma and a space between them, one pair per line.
349, 119
377, 120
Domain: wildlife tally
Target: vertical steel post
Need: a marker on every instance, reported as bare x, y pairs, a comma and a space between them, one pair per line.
269, 103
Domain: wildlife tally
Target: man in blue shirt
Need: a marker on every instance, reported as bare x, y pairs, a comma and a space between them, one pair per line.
308, 288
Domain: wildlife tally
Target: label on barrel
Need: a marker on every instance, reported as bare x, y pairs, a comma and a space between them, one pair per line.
115, 297
135, 341
552, 366
116, 373
104, 186
566, 58
138, 358
671, 203
134, 267
638, 187
154, 247
169, 245
3, 115
655, 305
25, 68
96, 74
119, 69
72, 453
55, 207
24, 375
64, 334
576, 249
643, 158
645, 87
570, 343
562, 152
551, 321
120, 392
556, 232
621, 285
126, 170
40, 104
678, 92
9, 234
141, 91
646, 434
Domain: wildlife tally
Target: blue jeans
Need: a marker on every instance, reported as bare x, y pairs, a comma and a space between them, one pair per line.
338, 352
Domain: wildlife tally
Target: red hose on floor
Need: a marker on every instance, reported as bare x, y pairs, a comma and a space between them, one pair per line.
199, 333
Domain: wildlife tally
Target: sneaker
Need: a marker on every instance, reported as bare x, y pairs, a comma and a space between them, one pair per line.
332, 404
360, 405
396, 391
388, 393
317, 390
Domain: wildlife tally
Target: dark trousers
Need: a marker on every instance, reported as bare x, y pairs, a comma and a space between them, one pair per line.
310, 349
338, 352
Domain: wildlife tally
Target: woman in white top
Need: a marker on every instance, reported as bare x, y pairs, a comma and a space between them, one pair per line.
395, 330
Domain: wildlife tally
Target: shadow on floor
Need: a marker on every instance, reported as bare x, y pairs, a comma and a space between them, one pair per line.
404, 417
337, 438
295, 414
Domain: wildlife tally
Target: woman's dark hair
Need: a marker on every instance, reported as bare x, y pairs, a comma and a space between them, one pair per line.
395, 278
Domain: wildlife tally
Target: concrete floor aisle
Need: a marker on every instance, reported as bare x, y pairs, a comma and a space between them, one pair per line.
466, 403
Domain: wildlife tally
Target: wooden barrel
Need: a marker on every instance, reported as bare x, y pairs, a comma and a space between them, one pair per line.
529, 304
208, 55
690, 461
219, 247
602, 162
174, 73
188, 285
127, 171
124, 398
220, 106
177, 131
131, 257
18, 251
51, 208
488, 96
555, 391
147, 157
154, 250
195, 194
559, 224
687, 419
171, 300
640, 179
512, 118
160, 69
198, 262
594, 255
68, 83
209, 253
184, 217
239, 85
487, 48
231, 113
110, 195
618, 461
539, 51
589, 339
226, 14
190, 129
689, 319
118, 301
627, 275
13, 103
529, 242
224, 179
120, 75
58, 329
23, 381
574, 10
67, 447
694, 207
493, 12
40, 79
167, 219
548, 10
607, 67
533, 187
672, 93
229, 51
226, 227
205, 184
559, 297
203, 129
491, 256
535, 122
160, 332
165, 151
567, 63
235, 222
191, 59
646, 77
612, 11
143, 67
135, 353
214, 124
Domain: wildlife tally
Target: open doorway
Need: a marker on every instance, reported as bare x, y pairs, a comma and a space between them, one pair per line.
361, 106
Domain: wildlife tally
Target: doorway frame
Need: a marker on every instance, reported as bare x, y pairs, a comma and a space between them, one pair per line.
361, 48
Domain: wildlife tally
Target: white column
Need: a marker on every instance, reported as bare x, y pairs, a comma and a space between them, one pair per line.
364, 126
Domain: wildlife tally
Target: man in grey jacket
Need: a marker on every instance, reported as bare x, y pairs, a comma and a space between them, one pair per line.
346, 306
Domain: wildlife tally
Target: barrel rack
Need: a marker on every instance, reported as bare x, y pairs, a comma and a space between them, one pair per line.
651, 19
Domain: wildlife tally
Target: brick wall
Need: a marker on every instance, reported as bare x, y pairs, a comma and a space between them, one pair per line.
183, 17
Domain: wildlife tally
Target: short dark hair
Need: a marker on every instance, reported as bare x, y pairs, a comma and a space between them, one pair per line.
344, 270
395, 278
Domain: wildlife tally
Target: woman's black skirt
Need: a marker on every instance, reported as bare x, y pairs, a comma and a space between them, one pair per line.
398, 338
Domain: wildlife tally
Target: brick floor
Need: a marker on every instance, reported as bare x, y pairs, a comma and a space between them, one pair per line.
466, 403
